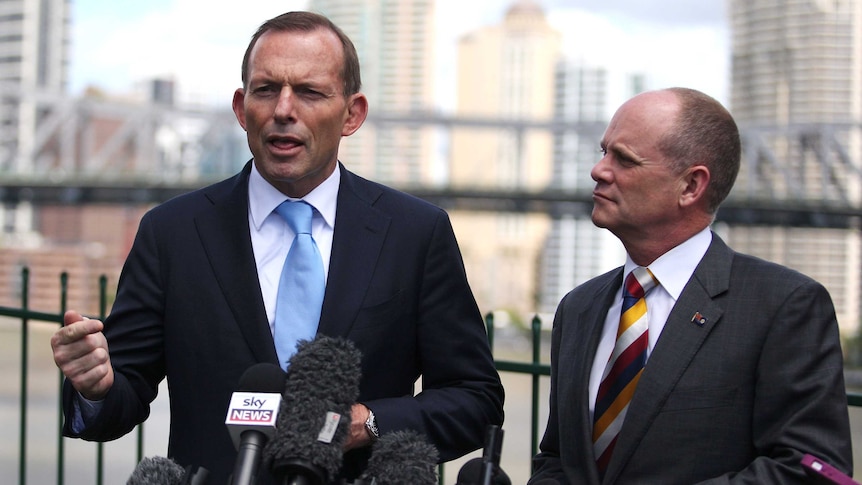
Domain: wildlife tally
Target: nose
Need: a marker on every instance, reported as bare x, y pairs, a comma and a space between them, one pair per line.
600, 170
283, 112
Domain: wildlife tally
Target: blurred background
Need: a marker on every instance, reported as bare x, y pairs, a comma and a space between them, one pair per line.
492, 109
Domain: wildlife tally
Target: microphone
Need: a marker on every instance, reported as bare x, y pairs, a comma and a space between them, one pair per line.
491, 453
251, 418
196, 477
486, 470
164, 471
471, 474
314, 421
157, 470
401, 457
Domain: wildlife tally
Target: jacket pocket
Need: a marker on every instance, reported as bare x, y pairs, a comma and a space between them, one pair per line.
700, 398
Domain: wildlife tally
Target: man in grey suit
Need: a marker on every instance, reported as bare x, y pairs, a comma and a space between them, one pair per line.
743, 371
196, 302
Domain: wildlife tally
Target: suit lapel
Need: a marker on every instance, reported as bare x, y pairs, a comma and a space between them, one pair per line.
583, 353
224, 233
360, 230
679, 342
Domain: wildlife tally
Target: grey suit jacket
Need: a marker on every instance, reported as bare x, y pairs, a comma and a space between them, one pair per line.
737, 399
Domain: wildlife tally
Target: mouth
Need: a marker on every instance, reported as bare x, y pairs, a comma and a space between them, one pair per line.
284, 143
598, 196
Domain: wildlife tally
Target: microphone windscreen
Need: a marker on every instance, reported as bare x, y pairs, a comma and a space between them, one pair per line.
262, 377
402, 457
157, 471
314, 420
471, 474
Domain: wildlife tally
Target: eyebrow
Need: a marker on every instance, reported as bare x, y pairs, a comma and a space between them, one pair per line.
626, 153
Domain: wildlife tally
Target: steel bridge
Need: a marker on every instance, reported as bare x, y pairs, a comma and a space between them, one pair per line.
89, 150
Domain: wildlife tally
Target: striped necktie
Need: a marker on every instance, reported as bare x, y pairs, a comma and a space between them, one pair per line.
624, 368
301, 287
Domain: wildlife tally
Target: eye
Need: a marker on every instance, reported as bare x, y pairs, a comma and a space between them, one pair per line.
310, 93
603, 150
264, 89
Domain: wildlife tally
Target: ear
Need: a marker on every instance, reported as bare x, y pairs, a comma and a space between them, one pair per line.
239, 106
695, 181
357, 110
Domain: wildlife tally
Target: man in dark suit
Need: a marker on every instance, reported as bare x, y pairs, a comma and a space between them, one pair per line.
743, 373
197, 296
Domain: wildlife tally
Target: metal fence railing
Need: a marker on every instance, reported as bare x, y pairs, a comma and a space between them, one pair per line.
535, 369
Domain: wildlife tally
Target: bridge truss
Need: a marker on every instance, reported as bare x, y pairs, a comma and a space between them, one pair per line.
57, 149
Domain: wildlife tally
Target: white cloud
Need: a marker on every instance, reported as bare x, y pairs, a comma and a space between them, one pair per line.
668, 55
195, 42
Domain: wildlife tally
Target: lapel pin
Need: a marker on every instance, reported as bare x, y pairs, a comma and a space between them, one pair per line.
698, 319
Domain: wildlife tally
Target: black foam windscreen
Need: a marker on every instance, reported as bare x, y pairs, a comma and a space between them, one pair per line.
157, 470
262, 377
402, 457
314, 420
471, 473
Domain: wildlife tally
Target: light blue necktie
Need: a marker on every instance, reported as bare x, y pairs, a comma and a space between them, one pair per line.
301, 287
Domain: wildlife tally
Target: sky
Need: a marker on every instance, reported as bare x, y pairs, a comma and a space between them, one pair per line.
117, 45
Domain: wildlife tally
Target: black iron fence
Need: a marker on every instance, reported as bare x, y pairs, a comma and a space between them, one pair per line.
26, 316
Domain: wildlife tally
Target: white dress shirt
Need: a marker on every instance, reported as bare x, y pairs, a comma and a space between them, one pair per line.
673, 269
271, 237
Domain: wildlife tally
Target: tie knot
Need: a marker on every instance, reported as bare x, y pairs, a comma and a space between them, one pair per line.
639, 282
297, 215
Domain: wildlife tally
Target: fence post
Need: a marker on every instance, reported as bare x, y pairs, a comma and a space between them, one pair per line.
61, 445
100, 447
22, 440
537, 351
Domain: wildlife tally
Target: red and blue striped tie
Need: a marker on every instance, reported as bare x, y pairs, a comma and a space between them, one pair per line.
624, 368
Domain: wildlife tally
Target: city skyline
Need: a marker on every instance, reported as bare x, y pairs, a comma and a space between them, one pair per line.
119, 45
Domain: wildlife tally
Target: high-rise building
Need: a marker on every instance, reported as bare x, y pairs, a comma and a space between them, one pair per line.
33, 56
395, 43
799, 63
576, 250
505, 71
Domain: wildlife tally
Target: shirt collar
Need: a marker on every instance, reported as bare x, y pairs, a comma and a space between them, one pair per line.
674, 268
263, 198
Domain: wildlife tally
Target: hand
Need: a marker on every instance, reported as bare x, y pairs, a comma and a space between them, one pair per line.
358, 436
81, 353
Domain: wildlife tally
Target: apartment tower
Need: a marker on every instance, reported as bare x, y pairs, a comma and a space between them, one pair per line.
797, 64
33, 58
395, 43
576, 250
505, 72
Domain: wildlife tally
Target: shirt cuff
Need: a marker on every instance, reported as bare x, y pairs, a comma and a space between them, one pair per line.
83, 412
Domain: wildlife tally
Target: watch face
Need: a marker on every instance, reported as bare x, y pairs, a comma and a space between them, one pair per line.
371, 425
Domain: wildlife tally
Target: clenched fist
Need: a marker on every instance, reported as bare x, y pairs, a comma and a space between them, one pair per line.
81, 353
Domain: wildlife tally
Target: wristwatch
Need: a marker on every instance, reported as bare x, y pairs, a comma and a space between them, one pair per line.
371, 426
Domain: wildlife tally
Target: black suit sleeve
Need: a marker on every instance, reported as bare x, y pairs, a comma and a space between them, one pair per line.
136, 345
800, 405
461, 390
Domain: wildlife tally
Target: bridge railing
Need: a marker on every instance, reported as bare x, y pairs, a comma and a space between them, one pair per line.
26, 316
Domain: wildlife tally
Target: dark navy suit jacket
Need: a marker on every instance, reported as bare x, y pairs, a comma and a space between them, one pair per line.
189, 308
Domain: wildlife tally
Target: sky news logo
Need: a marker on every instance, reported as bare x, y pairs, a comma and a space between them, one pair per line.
250, 416
253, 409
